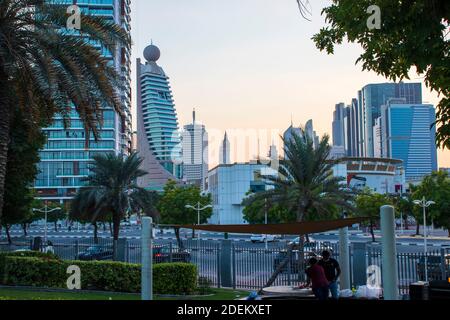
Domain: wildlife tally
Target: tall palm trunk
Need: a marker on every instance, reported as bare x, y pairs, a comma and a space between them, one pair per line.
177, 235
116, 230
8, 235
95, 233
371, 231
301, 256
5, 123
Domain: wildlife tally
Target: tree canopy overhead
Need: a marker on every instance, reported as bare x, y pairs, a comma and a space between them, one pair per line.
412, 34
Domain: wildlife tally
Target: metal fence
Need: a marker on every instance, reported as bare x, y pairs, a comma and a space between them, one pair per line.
250, 266
411, 266
253, 267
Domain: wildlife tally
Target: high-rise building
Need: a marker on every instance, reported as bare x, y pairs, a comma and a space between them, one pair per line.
158, 136
406, 135
343, 128
338, 125
377, 140
224, 152
65, 158
373, 96
195, 153
309, 130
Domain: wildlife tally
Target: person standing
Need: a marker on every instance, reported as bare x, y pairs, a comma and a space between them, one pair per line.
317, 279
332, 272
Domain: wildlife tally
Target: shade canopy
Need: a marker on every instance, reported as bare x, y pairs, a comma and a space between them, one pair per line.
296, 228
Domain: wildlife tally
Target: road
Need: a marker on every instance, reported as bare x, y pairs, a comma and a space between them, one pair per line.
132, 233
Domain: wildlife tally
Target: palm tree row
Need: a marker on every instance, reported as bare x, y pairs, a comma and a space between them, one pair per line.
46, 69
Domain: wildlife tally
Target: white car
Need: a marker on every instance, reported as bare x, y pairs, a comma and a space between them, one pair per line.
259, 238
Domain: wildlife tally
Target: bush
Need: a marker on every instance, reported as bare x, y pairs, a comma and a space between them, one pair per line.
23, 254
170, 278
175, 278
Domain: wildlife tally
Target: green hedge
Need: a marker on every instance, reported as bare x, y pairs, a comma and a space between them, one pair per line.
23, 254
169, 278
174, 278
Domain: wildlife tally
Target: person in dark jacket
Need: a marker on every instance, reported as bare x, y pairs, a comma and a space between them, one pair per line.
317, 279
332, 272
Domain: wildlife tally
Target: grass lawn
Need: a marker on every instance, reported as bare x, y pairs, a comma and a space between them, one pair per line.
21, 294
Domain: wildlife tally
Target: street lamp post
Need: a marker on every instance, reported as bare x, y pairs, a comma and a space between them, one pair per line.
425, 204
46, 212
265, 222
198, 208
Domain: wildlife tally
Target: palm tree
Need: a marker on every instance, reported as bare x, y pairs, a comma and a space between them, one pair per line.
46, 69
111, 189
306, 185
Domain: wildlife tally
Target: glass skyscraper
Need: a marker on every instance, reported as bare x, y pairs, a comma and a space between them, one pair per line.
373, 96
158, 134
408, 134
65, 159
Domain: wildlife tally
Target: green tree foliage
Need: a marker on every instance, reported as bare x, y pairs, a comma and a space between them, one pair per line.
45, 69
23, 156
368, 204
254, 212
172, 206
110, 189
435, 187
413, 34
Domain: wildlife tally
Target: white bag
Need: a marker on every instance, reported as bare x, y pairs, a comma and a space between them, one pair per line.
347, 293
368, 292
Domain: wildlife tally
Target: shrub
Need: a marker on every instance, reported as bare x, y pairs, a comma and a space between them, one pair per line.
174, 278
170, 278
23, 254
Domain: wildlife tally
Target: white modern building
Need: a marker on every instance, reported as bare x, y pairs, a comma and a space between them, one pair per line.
195, 153
381, 175
229, 185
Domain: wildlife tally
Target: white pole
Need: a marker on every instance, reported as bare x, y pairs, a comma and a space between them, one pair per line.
389, 254
425, 238
265, 221
401, 222
45, 227
147, 260
344, 259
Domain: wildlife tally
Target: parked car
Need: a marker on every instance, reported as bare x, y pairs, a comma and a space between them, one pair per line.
96, 252
294, 260
161, 254
313, 246
433, 267
259, 238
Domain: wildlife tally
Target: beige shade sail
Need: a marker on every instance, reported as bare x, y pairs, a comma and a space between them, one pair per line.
296, 228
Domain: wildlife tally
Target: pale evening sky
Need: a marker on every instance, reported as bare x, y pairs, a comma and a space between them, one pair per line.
248, 65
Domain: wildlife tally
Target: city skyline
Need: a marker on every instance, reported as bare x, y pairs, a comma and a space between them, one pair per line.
231, 62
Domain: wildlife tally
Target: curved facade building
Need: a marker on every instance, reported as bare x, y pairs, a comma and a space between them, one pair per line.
158, 135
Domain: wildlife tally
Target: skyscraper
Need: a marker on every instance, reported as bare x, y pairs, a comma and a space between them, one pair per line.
65, 158
338, 124
373, 96
157, 125
224, 152
406, 135
195, 153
